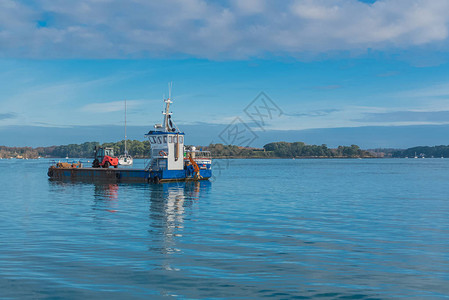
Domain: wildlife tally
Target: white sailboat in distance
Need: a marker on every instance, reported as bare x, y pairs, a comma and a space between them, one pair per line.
125, 159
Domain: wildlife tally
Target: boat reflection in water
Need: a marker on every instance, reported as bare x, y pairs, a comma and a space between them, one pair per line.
170, 204
146, 226
107, 197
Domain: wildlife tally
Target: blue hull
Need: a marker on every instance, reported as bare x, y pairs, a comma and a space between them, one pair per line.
125, 175
178, 175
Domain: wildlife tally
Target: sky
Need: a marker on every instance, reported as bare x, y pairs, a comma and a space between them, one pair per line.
372, 73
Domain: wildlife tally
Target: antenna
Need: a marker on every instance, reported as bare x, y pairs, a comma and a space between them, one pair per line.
167, 107
170, 85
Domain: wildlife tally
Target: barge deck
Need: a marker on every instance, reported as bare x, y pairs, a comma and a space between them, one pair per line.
124, 175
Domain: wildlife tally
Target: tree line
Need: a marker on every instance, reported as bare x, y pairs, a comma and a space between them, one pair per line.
300, 149
423, 151
135, 148
140, 149
19, 152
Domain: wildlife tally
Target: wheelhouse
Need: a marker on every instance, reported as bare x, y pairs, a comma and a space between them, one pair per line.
102, 152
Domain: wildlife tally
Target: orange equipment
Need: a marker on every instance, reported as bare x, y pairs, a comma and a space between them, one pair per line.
104, 157
195, 168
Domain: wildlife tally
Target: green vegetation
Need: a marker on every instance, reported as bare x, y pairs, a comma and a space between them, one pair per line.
232, 151
135, 148
142, 149
19, 152
73, 150
300, 149
423, 151
287, 150
86, 150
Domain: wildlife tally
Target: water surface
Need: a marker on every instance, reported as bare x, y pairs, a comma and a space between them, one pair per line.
283, 229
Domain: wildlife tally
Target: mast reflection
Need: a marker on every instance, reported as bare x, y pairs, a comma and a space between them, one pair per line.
168, 206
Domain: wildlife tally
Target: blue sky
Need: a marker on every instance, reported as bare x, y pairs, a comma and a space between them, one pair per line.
335, 68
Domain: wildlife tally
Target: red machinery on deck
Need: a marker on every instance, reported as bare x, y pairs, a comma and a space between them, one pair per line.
104, 157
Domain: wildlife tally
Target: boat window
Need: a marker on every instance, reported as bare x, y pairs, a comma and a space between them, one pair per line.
165, 139
159, 140
170, 139
175, 139
181, 139
153, 140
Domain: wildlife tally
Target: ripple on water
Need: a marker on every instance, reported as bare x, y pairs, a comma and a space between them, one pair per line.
282, 229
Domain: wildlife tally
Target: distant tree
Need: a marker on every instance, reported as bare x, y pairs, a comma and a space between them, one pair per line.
140, 149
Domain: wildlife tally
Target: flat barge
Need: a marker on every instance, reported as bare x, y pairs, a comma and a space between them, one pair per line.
124, 175
170, 160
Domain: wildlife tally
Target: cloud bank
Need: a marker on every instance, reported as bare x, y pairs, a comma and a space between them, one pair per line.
432, 117
107, 107
228, 29
366, 137
6, 116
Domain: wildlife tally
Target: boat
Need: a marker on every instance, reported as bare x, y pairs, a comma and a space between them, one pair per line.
125, 159
169, 160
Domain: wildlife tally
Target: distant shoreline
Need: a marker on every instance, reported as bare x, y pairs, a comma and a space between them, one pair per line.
248, 157
299, 157
275, 150
232, 157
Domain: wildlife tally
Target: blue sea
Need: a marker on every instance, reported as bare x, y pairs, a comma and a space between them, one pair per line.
280, 229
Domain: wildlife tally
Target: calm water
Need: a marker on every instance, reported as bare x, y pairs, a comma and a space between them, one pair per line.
293, 229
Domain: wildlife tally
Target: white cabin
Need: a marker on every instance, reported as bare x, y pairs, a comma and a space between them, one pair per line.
167, 144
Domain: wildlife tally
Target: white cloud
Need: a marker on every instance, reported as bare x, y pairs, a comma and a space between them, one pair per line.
356, 116
35, 95
249, 7
216, 30
310, 10
440, 90
108, 107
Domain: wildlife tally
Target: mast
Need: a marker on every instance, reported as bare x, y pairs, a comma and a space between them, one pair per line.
167, 107
126, 152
